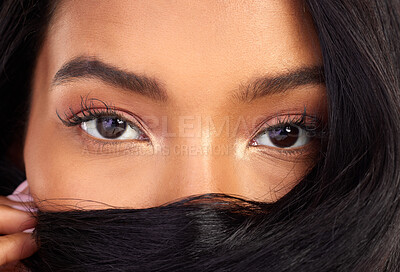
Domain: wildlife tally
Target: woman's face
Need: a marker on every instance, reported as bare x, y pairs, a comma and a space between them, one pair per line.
139, 103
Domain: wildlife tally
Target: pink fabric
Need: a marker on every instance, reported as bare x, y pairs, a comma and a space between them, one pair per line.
22, 195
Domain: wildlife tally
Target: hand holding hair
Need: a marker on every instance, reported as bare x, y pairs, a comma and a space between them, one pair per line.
16, 242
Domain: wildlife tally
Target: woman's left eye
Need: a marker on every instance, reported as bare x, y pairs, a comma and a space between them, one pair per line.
112, 128
282, 136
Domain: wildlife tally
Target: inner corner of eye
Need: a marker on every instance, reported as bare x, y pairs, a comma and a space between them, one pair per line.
253, 141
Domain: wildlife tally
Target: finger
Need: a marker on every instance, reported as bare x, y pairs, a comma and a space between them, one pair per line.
6, 201
10, 267
22, 206
13, 220
9, 202
15, 247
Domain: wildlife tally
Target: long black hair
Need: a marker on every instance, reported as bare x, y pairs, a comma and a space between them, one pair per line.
343, 216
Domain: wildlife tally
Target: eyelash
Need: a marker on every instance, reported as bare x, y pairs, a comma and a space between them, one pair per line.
90, 112
310, 123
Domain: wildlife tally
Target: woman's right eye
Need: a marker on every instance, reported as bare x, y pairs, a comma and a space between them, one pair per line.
283, 136
112, 128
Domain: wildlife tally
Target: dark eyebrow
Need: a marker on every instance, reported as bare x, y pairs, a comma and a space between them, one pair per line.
90, 67
268, 85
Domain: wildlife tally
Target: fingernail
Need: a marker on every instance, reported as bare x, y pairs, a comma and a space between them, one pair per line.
29, 230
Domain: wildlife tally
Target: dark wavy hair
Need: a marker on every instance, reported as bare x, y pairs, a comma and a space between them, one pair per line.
343, 216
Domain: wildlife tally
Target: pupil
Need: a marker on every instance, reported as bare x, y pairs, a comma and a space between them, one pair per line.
110, 127
284, 136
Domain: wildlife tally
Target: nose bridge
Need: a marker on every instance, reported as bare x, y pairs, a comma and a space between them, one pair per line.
200, 159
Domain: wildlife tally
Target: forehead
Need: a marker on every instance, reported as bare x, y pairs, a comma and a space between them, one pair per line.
197, 45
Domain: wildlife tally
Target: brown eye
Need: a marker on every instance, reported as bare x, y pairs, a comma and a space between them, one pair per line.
284, 136
112, 128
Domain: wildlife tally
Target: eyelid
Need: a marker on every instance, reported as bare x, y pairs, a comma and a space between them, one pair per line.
97, 112
306, 152
284, 118
104, 113
136, 120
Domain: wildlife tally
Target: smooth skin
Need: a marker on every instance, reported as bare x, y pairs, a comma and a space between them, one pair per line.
202, 53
